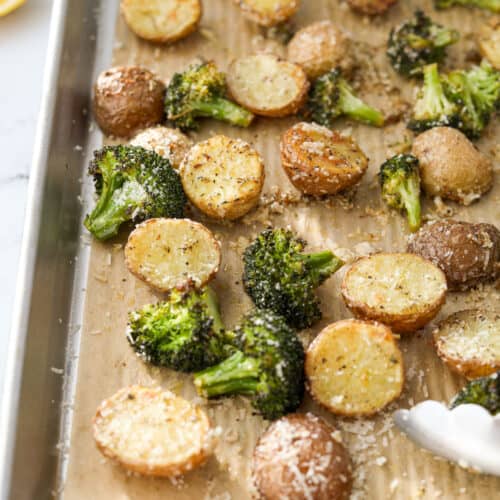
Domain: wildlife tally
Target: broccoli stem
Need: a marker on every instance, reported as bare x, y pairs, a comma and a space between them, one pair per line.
224, 110
113, 207
237, 374
442, 37
493, 5
213, 309
434, 101
355, 108
410, 196
323, 264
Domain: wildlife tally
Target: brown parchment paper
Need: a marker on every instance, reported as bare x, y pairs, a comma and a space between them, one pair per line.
387, 464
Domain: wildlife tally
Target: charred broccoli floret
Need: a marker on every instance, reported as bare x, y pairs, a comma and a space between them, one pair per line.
184, 332
418, 42
433, 108
484, 391
331, 96
477, 94
133, 184
400, 182
493, 5
200, 92
267, 364
279, 277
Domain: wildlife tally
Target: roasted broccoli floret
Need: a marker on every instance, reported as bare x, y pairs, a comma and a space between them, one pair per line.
484, 391
477, 94
267, 364
400, 182
493, 5
418, 42
133, 184
200, 92
433, 108
279, 277
331, 96
184, 332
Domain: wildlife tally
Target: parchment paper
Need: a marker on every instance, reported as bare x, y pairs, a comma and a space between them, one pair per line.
387, 464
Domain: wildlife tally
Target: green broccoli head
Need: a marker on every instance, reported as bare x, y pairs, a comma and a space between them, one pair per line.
200, 92
433, 108
418, 42
183, 332
133, 184
267, 364
278, 276
400, 182
493, 5
331, 96
477, 95
484, 391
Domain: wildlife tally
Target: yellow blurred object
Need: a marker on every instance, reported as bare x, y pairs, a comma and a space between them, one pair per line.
7, 6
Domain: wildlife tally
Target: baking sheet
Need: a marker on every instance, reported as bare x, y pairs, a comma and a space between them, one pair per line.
387, 465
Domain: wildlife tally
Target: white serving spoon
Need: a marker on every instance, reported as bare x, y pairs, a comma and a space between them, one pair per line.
468, 435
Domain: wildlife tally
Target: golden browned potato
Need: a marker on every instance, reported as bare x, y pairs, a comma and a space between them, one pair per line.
489, 41
170, 143
354, 367
320, 47
268, 12
300, 457
172, 253
467, 253
223, 177
128, 99
451, 166
152, 432
469, 342
320, 161
162, 21
402, 290
370, 7
267, 85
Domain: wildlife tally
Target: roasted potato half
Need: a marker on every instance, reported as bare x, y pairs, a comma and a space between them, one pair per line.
172, 253
489, 41
128, 99
402, 290
354, 367
267, 85
162, 21
170, 143
370, 7
467, 253
301, 444
320, 47
320, 161
469, 342
268, 12
223, 177
451, 166
152, 432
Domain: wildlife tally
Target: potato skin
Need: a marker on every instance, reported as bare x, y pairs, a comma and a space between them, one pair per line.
402, 322
319, 161
371, 7
320, 47
128, 99
476, 357
451, 166
304, 442
467, 253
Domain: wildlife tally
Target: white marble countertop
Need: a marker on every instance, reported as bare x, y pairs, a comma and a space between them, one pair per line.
23, 44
